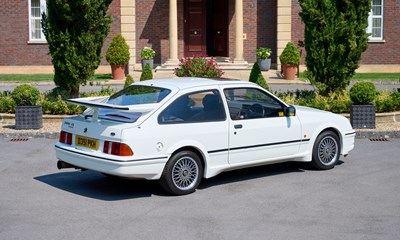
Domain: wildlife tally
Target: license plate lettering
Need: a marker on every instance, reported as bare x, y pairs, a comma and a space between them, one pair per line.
86, 142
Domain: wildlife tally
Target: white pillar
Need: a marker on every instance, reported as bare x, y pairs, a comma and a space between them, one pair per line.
284, 26
128, 29
239, 31
173, 32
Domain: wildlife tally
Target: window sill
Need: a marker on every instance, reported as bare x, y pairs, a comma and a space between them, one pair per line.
33, 42
376, 41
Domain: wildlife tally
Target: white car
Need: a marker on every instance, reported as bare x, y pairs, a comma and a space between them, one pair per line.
181, 130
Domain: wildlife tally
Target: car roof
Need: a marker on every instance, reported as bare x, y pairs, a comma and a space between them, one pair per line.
190, 82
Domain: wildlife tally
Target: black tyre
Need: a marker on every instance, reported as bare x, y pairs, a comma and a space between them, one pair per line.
326, 151
182, 173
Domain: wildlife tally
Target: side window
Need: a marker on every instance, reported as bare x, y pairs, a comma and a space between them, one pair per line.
194, 107
250, 103
36, 8
375, 20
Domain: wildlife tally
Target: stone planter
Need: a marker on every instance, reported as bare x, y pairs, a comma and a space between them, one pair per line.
362, 116
265, 64
28, 117
147, 61
118, 71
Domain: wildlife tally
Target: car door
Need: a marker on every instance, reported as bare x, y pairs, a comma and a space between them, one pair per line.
197, 119
258, 128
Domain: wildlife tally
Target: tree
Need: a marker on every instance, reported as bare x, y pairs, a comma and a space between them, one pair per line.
334, 38
75, 31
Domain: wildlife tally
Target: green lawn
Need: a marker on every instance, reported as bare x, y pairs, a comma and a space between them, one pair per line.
44, 77
372, 76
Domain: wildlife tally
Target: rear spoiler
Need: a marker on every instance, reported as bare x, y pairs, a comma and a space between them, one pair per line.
96, 103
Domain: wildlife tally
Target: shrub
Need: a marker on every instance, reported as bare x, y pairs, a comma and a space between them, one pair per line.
147, 53
396, 99
147, 74
290, 54
7, 104
363, 93
104, 91
387, 101
128, 81
118, 51
54, 93
58, 106
26, 95
339, 102
198, 67
263, 53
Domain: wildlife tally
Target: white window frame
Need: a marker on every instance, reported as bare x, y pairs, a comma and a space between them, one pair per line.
371, 18
42, 38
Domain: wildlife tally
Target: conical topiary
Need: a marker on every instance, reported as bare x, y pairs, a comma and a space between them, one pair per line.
261, 82
147, 74
255, 71
118, 51
128, 81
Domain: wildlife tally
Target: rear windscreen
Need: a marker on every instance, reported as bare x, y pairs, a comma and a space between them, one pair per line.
132, 95
135, 94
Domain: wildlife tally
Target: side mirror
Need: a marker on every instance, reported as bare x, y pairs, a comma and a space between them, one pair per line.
290, 111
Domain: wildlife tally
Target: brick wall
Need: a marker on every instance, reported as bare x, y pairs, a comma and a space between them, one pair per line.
14, 35
386, 52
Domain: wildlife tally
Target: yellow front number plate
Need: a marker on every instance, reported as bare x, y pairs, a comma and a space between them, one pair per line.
86, 142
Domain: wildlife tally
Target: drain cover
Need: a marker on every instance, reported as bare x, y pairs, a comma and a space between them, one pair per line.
19, 139
379, 139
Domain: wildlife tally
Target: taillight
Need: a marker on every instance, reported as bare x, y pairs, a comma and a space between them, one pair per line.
65, 137
116, 148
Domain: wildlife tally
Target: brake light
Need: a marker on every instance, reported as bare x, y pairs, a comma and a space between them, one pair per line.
65, 137
116, 148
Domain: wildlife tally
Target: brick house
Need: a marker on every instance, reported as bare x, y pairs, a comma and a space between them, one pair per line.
228, 29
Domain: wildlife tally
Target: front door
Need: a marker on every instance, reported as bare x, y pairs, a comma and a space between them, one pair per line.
206, 27
217, 28
195, 28
259, 130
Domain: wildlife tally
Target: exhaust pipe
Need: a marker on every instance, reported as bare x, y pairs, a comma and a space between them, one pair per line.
61, 165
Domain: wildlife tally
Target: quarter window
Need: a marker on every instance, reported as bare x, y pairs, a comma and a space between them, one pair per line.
205, 106
251, 103
375, 20
36, 8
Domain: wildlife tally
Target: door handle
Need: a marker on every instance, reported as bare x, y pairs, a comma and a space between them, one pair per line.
238, 126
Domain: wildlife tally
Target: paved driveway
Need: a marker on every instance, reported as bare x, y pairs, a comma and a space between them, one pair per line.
359, 199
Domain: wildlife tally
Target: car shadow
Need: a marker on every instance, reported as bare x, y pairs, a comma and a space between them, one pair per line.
252, 173
257, 172
108, 188
98, 186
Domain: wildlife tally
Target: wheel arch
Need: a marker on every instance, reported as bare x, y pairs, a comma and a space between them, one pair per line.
196, 151
335, 131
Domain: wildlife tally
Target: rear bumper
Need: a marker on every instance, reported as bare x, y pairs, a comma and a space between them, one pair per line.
150, 169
